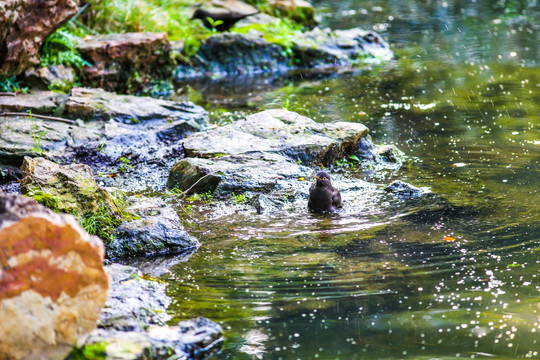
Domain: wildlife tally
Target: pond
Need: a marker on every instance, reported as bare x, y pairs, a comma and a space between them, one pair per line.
454, 279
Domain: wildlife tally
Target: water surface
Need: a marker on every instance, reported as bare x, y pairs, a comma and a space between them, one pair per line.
451, 278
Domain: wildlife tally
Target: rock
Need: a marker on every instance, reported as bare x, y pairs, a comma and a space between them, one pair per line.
24, 25
98, 104
404, 190
52, 282
232, 55
67, 188
262, 152
235, 6
300, 11
60, 77
263, 204
132, 323
388, 153
125, 63
42, 102
132, 141
158, 231
325, 49
227, 54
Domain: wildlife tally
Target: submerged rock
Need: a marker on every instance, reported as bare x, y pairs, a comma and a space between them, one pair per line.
52, 282
404, 190
132, 324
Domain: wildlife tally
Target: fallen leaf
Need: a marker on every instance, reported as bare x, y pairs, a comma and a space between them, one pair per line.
449, 239
301, 179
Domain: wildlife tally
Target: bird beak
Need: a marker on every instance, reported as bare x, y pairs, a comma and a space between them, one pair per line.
318, 178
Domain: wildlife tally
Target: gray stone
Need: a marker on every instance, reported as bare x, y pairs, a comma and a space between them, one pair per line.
264, 152
404, 190
158, 231
132, 323
231, 55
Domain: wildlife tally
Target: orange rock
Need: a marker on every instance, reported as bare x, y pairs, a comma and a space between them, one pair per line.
52, 281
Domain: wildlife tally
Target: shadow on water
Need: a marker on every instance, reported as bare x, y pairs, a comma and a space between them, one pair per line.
450, 276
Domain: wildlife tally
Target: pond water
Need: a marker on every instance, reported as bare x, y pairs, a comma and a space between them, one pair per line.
462, 280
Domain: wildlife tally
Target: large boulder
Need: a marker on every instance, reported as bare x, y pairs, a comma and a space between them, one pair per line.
52, 282
263, 152
300, 11
126, 62
132, 324
24, 25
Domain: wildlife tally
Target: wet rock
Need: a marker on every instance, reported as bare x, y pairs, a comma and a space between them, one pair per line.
325, 49
404, 190
132, 323
261, 153
264, 204
67, 188
52, 282
116, 58
57, 76
230, 55
388, 153
24, 25
300, 11
158, 231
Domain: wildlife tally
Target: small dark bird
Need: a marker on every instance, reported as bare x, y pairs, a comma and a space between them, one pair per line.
221, 21
322, 195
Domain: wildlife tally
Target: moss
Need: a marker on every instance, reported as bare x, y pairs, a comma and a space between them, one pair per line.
97, 351
44, 199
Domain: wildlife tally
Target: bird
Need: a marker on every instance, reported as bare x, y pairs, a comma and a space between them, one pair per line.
323, 197
220, 21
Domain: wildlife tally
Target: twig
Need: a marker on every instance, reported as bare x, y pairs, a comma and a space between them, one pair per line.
51, 118
196, 182
8, 94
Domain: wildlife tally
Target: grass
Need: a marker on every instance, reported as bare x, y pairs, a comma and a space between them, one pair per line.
239, 199
12, 85
288, 102
174, 18
106, 219
36, 137
351, 162
60, 49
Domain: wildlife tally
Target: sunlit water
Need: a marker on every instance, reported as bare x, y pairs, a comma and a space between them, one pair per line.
461, 280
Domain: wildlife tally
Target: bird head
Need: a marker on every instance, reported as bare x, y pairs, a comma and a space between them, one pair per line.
322, 178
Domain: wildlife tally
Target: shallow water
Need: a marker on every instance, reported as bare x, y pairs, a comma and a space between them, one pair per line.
455, 276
